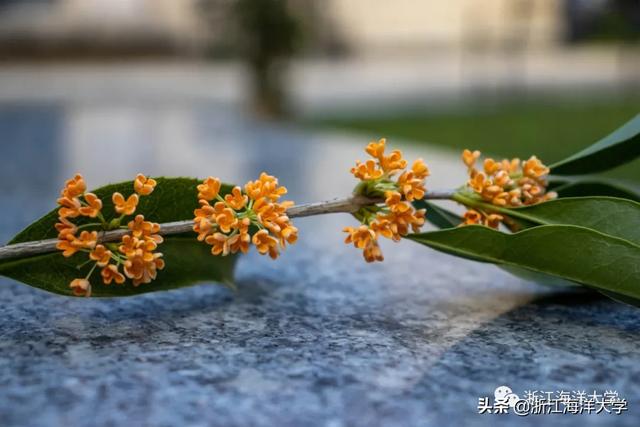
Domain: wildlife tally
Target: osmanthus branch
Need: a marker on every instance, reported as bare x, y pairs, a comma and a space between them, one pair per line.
339, 205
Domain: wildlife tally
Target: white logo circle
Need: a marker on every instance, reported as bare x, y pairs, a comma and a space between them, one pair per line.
504, 394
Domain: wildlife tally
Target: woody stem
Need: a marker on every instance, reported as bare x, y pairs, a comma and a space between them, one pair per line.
345, 205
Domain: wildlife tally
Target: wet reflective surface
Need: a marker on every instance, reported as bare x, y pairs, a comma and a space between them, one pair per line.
315, 338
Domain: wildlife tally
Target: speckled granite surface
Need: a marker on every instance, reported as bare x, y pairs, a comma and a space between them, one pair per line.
318, 338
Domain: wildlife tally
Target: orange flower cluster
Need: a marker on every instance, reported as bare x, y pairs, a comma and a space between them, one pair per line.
397, 216
227, 224
508, 183
136, 250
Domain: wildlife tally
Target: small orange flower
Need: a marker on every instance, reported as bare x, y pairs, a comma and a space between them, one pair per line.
204, 220
142, 263
493, 220
469, 158
404, 220
265, 186
222, 244
225, 217
100, 255
372, 252
236, 200
472, 217
389, 164
491, 166
367, 171
86, 240
502, 179
218, 242
511, 166
145, 229
533, 168
395, 203
281, 228
393, 163
365, 238
110, 273
385, 228
209, 189
288, 234
81, 287
361, 237
65, 227
478, 182
134, 268
143, 185
266, 243
242, 240
142, 270
411, 186
376, 149
94, 206
70, 207
65, 244
122, 206
74, 187
271, 189
420, 169
129, 246
254, 189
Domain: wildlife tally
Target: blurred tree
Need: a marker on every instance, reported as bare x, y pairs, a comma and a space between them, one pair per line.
268, 36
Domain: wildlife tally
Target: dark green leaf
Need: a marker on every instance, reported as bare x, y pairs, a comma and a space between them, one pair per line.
608, 215
597, 187
537, 277
187, 260
618, 148
438, 216
622, 298
612, 216
568, 252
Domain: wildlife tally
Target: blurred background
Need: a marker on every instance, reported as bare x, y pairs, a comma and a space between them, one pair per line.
297, 87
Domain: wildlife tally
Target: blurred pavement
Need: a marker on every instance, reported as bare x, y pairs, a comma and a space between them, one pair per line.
330, 86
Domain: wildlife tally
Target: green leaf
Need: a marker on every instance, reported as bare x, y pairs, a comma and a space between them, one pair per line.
612, 216
618, 148
622, 298
597, 187
568, 252
608, 215
438, 216
187, 261
534, 276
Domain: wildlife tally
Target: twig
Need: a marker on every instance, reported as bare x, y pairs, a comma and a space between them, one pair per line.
344, 205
